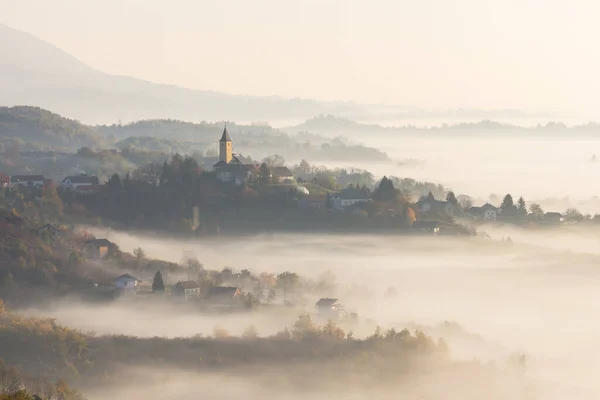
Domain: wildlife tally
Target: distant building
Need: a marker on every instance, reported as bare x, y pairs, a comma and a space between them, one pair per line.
98, 248
224, 296
554, 217
486, 212
232, 168
187, 289
430, 227
127, 282
27, 180
343, 200
425, 206
329, 308
282, 175
51, 230
75, 182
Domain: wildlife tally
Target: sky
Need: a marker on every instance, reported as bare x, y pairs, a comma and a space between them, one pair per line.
534, 55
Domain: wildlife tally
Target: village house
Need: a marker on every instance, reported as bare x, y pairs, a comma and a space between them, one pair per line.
486, 212
329, 308
433, 206
128, 283
554, 218
98, 248
48, 229
429, 227
282, 175
27, 180
187, 290
75, 182
347, 198
224, 296
232, 168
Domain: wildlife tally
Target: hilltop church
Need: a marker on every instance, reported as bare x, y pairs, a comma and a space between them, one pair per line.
232, 168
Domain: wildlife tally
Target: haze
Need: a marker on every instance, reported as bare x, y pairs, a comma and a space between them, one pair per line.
535, 55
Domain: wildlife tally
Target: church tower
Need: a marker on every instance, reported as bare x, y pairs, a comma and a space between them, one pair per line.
225, 147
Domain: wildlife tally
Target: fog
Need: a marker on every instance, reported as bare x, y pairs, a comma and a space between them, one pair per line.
537, 168
537, 296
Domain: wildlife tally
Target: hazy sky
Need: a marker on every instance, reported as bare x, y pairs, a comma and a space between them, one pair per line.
529, 54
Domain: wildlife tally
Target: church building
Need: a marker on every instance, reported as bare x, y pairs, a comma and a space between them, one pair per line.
232, 168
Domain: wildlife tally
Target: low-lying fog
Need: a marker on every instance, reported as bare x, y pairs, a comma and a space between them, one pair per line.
539, 295
486, 163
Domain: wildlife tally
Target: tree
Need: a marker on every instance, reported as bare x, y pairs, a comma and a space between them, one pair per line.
410, 216
573, 214
274, 161
536, 210
140, 256
466, 204
385, 191
507, 208
521, 206
157, 284
114, 183
430, 197
451, 198
264, 174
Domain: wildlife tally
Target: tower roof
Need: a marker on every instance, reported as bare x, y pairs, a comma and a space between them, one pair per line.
225, 137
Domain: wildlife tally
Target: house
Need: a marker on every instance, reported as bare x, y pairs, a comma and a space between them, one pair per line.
224, 296
316, 202
98, 248
425, 206
432, 227
348, 197
554, 217
282, 175
4, 180
127, 282
90, 189
27, 180
486, 212
187, 289
329, 308
74, 182
50, 230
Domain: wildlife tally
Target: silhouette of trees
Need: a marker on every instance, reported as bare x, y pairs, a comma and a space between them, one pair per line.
536, 210
451, 198
508, 208
521, 206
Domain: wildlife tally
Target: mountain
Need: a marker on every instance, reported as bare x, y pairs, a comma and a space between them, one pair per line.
34, 72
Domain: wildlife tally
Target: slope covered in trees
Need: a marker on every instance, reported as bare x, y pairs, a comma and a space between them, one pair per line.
32, 127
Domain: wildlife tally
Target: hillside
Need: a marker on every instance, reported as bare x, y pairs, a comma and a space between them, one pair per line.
36, 128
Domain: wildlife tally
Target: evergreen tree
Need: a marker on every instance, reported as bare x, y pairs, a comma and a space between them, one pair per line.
430, 197
507, 208
157, 284
522, 206
451, 198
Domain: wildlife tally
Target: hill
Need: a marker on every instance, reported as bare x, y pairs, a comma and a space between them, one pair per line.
36, 128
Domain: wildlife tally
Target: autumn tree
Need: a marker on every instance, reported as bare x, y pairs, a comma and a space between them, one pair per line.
410, 216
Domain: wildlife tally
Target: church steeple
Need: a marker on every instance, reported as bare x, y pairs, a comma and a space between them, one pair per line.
225, 147
225, 137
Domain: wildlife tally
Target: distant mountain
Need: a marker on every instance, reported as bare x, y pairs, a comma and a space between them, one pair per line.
36, 128
34, 72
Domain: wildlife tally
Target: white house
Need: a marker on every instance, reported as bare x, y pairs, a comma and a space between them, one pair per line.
127, 282
282, 174
348, 197
486, 212
73, 182
27, 180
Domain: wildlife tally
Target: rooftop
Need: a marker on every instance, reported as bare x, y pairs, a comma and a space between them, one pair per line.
326, 302
225, 137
